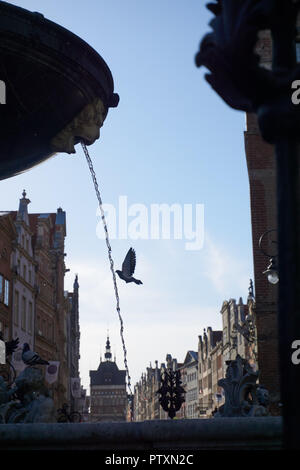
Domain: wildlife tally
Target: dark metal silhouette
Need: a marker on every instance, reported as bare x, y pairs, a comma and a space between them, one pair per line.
10, 347
229, 54
272, 269
235, 74
171, 391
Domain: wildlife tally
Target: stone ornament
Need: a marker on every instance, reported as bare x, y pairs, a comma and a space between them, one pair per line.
28, 401
243, 396
85, 126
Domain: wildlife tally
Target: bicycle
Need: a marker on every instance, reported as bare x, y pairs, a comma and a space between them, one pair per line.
65, 417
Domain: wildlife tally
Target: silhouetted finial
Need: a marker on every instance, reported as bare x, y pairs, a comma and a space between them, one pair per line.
107, 354
250, 290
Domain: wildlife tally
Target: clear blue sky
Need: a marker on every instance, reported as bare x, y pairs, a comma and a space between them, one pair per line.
170, 140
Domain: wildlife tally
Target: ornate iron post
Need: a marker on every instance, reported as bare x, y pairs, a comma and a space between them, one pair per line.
171, 391
229, 54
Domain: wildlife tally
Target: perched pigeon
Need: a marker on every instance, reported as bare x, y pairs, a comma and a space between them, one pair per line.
128, 268
31, 358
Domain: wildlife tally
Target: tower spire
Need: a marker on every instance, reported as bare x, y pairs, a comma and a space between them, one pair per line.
107, 354
250, 290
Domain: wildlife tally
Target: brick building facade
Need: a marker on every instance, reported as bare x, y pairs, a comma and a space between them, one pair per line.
211, 369
77, 396
201, 370
146, 404
8, 236
24, 289
49, 231
190, 384
262, 179
32, 301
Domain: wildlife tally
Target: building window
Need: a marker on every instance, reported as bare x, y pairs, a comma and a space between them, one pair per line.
30, 318
23, 314
24, 271
16, 308
6, 292
29, 276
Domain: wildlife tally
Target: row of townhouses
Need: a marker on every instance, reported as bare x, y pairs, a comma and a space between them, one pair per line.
202, 369
34, 306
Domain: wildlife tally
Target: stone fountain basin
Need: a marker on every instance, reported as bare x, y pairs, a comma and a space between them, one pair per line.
51, 77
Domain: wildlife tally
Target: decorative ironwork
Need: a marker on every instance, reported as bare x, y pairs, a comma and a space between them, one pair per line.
247, 329
272, 269
236, 75
243, 396
10, 347
171, 391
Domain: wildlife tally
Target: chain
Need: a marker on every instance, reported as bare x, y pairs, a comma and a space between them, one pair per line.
90, 164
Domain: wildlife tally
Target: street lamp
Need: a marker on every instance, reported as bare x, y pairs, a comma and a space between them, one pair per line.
272, 270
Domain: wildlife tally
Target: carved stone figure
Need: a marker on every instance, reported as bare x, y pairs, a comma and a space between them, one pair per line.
86, 126
28, 401
243, 396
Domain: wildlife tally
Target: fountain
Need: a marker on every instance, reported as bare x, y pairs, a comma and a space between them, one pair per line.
57, 90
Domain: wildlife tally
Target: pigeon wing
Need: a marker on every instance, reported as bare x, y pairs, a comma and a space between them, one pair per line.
29, 357
128, 265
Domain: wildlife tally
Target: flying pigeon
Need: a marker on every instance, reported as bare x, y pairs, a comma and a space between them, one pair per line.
31, 358
128, 268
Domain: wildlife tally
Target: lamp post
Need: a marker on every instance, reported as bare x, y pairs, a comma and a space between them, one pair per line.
272, 270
